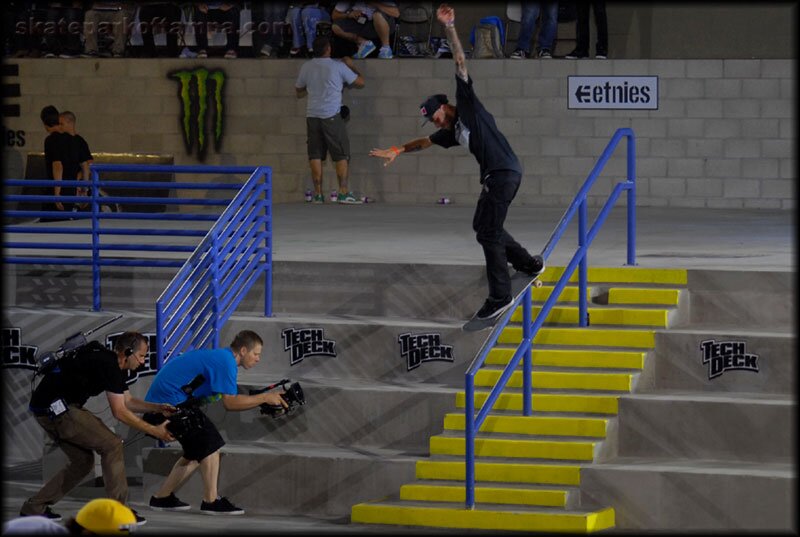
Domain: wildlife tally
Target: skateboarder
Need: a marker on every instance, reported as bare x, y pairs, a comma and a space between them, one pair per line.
469, 124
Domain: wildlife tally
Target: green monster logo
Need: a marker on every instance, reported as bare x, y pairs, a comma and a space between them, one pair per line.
195, 96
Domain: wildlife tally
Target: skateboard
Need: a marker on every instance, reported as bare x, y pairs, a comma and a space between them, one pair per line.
519, 281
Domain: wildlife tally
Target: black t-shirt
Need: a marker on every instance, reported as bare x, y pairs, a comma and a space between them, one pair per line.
93, 370
84, 154
476, 127
64, 148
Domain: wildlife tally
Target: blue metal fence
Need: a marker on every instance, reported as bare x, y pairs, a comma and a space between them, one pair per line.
236, 249
530, 327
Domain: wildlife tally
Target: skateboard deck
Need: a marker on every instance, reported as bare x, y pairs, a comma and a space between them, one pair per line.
519, 281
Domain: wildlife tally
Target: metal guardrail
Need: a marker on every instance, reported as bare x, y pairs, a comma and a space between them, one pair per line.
235, 223
530, 327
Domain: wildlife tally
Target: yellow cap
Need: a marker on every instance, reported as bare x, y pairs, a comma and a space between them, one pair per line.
105, 516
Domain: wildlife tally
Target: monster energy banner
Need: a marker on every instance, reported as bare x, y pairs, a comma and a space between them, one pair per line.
200, 91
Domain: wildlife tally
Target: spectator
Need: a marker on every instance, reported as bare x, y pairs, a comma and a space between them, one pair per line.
117, 15
157, 17
304, 19
547, 13
469, 124
582, 29
217, 12
58, 405
269, 25
361, 22
65, 41
217, 371
322, 80
61, 158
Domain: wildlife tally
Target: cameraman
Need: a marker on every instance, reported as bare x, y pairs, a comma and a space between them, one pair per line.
201, 445
57, 403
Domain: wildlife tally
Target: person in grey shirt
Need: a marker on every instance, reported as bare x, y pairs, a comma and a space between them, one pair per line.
322, 79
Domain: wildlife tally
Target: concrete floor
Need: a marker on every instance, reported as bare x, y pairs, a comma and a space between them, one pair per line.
666, 237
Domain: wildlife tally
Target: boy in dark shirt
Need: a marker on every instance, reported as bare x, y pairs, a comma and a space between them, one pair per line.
470, 125
62, 158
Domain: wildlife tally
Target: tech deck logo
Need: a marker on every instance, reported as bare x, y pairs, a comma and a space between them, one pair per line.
304, 342
15, 354
150, 364
727, 356
419, 348
196, 99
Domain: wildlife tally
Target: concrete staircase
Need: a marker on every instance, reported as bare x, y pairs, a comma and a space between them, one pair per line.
528, 469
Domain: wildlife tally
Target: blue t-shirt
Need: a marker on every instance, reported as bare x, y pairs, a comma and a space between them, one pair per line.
476, 129
218, 366
324, 79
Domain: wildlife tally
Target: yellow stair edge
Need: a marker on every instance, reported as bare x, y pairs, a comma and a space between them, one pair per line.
607, 316
568, 294
533, 425
482, 518
596, 275
503, 472
573, 358
629, 295
545, 402
484, 494
515, 448
602, 337
621, 382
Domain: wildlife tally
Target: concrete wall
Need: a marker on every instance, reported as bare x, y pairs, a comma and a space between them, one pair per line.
723, 136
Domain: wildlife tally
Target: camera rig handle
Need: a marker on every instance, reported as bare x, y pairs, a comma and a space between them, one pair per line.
74, 342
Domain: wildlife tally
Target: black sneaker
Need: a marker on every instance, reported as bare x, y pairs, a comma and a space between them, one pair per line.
535, 268
48, 513
576, 55
545, 54
168, 503
492, 309
140, 520
518, 54
220, 506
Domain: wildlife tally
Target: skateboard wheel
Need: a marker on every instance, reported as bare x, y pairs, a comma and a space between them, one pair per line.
537, 283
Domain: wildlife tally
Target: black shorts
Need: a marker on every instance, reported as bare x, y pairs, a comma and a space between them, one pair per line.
366, 30
200, 442
327, 135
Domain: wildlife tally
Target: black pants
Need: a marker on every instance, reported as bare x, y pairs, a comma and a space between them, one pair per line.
164, 17
600, 22
499, 247
218, 20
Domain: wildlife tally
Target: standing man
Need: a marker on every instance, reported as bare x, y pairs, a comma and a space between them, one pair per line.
62, 159
201, 445
470, 125
57, 403
322, 80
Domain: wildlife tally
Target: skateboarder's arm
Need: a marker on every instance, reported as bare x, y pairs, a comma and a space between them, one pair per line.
447, 16
390, 154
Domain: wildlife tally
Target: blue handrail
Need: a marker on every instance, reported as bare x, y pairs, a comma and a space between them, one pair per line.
531, 327
210, 285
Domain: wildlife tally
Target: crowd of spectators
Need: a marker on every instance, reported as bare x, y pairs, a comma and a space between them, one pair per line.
155, 28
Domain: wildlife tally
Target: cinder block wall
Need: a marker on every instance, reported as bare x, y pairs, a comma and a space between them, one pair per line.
722, 137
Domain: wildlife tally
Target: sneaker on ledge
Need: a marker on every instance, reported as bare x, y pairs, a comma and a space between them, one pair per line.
492, 309
364, 50
168, 503
318, 198
187, 53
348, 199
545, 54
576, 55
518, 54
202, 54
385, 53
220, 506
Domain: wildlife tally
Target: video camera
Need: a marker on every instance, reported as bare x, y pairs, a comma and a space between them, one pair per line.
47, 362
293, 395
188, 417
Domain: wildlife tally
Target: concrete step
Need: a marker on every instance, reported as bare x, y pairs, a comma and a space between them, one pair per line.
589, 336
507, 471
548, 402
732, 427
652, 494
491, 446
621, 382
567, 358
602, 316
533, 425
512, 518
498, 493
264, 478
638, 295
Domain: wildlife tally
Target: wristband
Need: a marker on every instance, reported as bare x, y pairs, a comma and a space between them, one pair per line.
449, 24
395, 149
